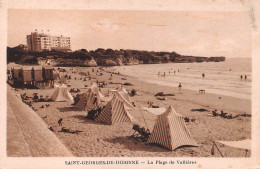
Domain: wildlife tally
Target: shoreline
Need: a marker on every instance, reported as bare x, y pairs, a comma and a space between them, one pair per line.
202, 99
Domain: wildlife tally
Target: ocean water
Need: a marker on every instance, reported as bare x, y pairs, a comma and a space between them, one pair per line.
220, 77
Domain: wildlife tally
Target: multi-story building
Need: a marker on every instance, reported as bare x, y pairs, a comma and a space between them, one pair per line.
38, 42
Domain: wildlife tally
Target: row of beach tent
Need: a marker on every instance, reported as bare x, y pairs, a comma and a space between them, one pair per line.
169, 131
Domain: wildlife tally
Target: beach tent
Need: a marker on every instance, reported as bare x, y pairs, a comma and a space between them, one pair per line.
124, 96
95, 88
170, 131
128, 105
115, 112
27, 74
38, 74
61, 93
242, 144
155, 111
88, 101
122, 91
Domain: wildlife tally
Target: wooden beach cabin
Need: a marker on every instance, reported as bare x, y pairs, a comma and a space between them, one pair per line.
48, 76
17, 76
27, 76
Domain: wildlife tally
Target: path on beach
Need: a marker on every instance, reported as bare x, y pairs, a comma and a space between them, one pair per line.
27, 134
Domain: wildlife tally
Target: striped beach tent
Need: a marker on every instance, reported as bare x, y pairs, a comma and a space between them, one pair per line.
170, 131
115, 112
88, 101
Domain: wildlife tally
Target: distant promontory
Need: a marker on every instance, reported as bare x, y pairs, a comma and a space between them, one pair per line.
101, 57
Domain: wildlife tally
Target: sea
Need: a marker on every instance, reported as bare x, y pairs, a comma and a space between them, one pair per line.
223, 78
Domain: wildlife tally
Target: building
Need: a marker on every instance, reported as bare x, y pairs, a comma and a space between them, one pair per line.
38, 42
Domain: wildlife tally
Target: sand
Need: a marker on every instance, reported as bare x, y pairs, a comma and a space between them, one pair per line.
99, 140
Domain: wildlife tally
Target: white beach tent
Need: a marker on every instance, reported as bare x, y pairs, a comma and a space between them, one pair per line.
88, 101
123, 95
170, 131
242, 144
61, 93
155, 111
115, 112
95, 88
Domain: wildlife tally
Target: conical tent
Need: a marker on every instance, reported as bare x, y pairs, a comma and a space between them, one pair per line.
170, 131
115, 112
88, 101
124, 93
95, 88
128, 105
61, 93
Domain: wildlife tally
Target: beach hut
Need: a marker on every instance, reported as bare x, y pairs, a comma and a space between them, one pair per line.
48, 73
17, 74
38, 74
115, 112
48, 76
88, 101
27, 74
61, 93
170, 131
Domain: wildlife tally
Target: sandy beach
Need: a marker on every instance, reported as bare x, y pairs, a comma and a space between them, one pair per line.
99, 140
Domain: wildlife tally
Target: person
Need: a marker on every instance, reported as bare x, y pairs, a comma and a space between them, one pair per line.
245, 77
60, 122
241, 77
203, 75
180, 86
50, 128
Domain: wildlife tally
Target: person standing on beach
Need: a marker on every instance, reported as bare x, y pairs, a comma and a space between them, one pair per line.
203, 75
245, 77
180, 86
241, 77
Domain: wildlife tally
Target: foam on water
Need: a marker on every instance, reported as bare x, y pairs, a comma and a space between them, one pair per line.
218, 77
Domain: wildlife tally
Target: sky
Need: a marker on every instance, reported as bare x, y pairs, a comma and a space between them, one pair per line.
194, 33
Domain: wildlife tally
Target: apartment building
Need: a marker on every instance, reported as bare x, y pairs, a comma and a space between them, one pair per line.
38, 42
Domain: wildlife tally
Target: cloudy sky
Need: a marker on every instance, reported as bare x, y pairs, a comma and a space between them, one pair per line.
189, 33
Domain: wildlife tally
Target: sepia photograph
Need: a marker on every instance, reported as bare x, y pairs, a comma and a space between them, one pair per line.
127, 84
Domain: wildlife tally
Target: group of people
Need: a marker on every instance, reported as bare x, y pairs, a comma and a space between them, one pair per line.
241, 77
